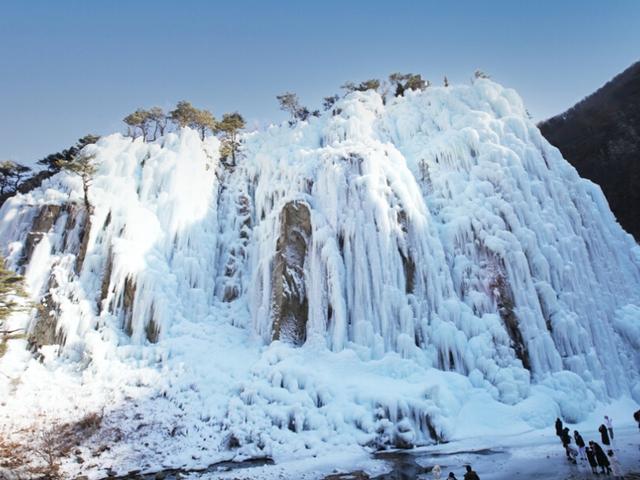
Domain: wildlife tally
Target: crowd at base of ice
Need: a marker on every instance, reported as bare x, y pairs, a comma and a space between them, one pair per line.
536, 454
597, 456
618, 455
469, 473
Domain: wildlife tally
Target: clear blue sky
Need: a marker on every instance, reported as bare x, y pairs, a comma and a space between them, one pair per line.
72, 67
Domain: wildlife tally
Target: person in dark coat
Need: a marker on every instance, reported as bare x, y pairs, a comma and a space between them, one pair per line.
604, 434
601, 458
591, 457
470, 475
566, 441
579, 443
559, 427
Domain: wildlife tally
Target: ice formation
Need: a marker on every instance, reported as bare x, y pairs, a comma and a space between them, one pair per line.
371, 277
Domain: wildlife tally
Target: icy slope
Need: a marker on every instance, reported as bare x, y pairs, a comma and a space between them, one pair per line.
366, 278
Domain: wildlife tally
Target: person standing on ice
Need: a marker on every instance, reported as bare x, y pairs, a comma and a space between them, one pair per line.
470, 475
436, 472
615, 465
609, 423
591, 457
601, 458
579, 443
559, 428
566, 441
604, 434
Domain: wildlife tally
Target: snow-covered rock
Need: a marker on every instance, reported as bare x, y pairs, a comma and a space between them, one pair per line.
370, 277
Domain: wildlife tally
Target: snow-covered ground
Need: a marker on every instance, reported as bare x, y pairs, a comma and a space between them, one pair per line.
536, 454
539, 453
456, 277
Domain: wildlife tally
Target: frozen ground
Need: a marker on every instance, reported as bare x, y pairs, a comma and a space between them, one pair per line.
533, 455
539, 454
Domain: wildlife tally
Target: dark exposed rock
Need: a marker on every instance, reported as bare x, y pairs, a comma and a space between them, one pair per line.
106, 279
152, 330
42, 223
409, 267
128, 298
600, 136
290, 306
408, 264
78, 221
123, 304
506, 310
45, 329
46, 218
231, 290
84, 241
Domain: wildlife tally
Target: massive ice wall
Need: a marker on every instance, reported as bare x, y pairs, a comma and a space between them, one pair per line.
445, 228
440, 229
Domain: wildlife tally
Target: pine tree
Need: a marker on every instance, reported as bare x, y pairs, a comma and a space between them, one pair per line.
54, 161
83, 165
184, 114
159, 120
11, 176
229, 127
398, 80
349, 87
407, 81
371, 84
138, 119
289, 103
329, 102
204, 121
415, 82
397, 77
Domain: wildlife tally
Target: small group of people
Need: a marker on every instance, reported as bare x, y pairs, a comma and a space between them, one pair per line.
592, 452
470, 474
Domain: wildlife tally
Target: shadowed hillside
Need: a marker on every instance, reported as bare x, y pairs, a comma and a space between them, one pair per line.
600, 136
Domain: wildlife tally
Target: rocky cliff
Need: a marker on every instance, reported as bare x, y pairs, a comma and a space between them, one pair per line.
600, 136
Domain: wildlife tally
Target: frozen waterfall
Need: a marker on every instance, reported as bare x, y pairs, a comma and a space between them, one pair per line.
359, 278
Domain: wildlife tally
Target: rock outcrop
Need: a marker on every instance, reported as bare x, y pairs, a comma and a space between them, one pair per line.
42, 223
290, 305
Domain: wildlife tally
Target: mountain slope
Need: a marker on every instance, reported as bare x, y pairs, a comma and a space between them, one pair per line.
369, 278
600, 136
